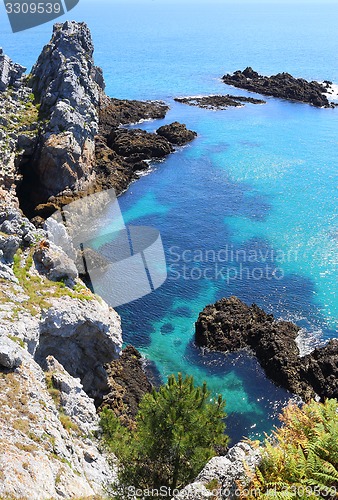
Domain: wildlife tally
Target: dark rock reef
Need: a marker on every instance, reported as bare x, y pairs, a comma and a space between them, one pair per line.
116, 112
218, 101
136, 145
176, 133
282, 85
230, 325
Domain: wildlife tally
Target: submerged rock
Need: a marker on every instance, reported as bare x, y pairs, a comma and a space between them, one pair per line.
282, 85
230, 325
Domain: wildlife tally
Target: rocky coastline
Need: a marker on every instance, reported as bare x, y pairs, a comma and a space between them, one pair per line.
69, 140
218, 101
230, 325
61, 357
282, 85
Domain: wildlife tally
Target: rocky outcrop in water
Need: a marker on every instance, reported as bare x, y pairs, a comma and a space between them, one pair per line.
230, 325
121, 154
218, 101
224, 477
137, 145
282, 85
116, 112
176, 133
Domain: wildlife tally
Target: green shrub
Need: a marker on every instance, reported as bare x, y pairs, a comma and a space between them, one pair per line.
177, 428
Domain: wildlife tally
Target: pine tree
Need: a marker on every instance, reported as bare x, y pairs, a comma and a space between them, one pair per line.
178, 427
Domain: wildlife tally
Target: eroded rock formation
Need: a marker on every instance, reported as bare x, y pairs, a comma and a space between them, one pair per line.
223, 477
230, 325
282, 85
176, 133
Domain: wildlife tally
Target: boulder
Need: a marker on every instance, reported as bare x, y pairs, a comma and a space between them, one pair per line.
222, 477
55, 262
10, 354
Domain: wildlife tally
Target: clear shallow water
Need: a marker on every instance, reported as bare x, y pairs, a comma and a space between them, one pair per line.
257, 179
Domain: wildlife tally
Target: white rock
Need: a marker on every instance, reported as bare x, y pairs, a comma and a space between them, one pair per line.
10, 353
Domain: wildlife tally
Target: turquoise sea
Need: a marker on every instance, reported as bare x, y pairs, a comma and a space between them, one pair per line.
258, 181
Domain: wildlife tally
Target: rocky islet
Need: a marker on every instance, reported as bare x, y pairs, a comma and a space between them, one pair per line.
230, 325
282, 85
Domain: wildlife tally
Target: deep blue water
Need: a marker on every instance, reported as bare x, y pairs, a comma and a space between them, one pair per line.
257, 179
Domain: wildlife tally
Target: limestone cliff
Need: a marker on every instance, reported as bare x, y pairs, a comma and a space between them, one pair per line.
54, 343
64, 81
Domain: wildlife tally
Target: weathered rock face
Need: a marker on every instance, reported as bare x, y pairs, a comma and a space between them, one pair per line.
75, 403
127, 384
176, 133
64, 82
83, 336
41, 454
218, 101
230, 325
225, 474
10, 72
18, 135
45, 451
282, 85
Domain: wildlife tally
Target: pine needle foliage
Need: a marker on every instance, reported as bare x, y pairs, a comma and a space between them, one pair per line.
177, 428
